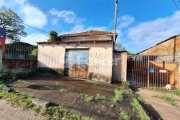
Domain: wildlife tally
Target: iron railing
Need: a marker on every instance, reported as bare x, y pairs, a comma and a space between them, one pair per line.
20, 51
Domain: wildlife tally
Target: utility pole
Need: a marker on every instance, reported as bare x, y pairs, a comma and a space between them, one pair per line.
115, 19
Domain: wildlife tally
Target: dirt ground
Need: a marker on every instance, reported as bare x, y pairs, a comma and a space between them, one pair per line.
159, 108
11, 112
48, 88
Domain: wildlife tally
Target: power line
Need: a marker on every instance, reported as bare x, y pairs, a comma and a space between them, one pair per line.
34, 28
176, 4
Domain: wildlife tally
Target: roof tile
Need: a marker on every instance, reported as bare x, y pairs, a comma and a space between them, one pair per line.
88, 33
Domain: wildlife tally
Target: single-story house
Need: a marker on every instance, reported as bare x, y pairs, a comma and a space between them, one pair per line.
86, 55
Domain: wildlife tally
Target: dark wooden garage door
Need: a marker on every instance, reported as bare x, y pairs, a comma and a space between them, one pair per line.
77, 63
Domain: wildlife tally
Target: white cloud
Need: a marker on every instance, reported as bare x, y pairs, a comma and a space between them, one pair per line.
34, 38
6, 3
125, 21
147, 34
20, 2
33, 16
65, 16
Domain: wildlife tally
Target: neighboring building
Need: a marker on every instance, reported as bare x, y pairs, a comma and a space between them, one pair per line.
82, 55
164, 56
169, 49
18, 50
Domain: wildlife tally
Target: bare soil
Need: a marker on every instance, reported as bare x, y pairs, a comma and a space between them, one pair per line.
159, 108
48, 88
11, 112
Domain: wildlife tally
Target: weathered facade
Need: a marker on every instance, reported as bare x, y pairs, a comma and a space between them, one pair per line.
82, 55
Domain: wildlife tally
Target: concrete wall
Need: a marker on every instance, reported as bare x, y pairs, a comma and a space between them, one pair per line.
52, 56
19, 65
119, 66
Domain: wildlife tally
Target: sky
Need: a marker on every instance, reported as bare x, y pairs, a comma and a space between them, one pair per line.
140, 23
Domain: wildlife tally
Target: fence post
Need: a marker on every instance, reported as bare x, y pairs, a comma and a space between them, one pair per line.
148, 73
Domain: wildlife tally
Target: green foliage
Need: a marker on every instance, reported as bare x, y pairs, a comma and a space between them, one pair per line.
18, 99
112, 106
119, 95
168, 99
176, 92
91, 81
119, 47
99, 97
124, 115
56, 112
12, 23
136, 105
63, 90
51, 88
53, 36
89, 98
34, 52
11, 76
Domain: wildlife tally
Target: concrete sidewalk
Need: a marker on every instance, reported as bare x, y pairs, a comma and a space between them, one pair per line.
158, 108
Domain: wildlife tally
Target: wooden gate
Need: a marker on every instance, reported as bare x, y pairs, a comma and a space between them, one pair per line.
152, 71
77, 63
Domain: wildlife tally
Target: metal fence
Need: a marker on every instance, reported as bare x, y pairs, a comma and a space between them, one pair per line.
152, 71
20, 51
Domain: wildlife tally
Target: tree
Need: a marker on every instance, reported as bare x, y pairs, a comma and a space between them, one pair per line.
34, 52
53, 36
12, 23
119, 47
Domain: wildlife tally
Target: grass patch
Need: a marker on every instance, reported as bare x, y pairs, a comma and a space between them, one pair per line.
176, 92
63, 90
141, 112
123, 114
53, 112
48, 87
18, 99
167, 99
58, 113
91, 81
119, 95
89, 98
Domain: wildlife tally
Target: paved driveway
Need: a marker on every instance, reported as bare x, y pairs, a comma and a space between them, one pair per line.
48, 88
159, 108
51, 89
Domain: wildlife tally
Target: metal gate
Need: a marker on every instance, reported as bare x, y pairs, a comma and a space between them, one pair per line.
77, 63
152, 71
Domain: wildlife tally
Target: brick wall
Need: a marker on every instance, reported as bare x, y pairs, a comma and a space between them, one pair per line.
170, 48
